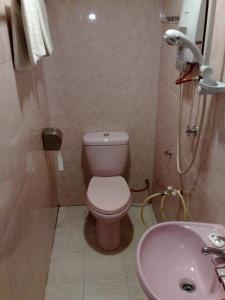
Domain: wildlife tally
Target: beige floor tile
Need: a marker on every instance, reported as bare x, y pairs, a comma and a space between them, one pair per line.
90, 234
132, 231
152, 215
103, 267
149, 216
71, 216
77, 257
64, 292
135, 215
130, 270
135, 291
69, 238
110, 290
91, 243
66, 268
130, 260
138, 227
130, 252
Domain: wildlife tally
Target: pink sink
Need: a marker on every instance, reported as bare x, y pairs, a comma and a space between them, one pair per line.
170, 265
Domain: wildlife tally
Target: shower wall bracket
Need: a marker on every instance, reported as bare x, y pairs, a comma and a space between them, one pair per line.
169, 19
52, 139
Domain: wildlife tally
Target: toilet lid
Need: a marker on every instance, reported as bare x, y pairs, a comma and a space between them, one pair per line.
108, 195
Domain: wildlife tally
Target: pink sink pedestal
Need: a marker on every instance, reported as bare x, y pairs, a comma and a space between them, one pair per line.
169, 258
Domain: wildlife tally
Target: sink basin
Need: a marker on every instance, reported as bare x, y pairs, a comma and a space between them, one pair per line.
170, 264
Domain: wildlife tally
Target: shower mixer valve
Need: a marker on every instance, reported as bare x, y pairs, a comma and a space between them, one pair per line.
192, 130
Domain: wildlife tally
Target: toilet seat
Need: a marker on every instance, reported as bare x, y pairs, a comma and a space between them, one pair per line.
108, 195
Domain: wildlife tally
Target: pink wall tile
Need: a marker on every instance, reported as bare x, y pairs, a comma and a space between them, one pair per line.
203, 186
5, 53
10, 113
103, 76
5, 288
28, 202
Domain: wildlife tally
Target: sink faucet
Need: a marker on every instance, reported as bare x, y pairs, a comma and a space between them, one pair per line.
215, 251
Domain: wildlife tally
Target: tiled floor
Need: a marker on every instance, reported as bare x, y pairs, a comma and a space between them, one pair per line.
80, 270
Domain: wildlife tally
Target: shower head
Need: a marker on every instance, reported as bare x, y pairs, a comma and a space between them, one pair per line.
207, 85
171, 37
177, 38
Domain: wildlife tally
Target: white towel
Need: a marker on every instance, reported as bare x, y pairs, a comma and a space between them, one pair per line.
21, 55
36, 30
43, 17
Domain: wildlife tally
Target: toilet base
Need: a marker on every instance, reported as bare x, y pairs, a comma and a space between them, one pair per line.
108, 234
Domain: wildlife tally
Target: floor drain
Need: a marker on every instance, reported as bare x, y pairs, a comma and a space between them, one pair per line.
188, 287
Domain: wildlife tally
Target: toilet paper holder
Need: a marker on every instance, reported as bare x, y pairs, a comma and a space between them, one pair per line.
52, 139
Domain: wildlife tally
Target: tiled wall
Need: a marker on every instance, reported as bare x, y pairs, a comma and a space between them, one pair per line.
203, 186
103, 76
27, 216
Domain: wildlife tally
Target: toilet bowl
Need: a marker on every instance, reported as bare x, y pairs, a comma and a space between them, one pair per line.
108, 199
108, 195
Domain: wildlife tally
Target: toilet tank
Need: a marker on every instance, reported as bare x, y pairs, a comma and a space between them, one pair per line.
106, 153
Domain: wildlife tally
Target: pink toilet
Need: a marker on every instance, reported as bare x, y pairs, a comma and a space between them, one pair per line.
108, 195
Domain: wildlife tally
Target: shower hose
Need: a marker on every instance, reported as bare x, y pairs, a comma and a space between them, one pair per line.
168, 192
195, 150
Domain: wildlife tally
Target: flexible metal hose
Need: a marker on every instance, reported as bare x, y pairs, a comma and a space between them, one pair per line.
164, 195
187, 168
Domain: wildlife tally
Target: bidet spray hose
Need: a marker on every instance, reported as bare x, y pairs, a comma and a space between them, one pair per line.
164, 195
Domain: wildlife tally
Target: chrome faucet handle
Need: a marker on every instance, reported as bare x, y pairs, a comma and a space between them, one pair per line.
215, 251
221, 275
192, 130
220, 272
220, 238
